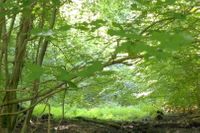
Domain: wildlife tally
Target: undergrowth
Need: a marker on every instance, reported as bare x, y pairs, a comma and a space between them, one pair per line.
116, 113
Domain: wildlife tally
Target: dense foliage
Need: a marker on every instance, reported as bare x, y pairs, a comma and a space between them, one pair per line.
91, 53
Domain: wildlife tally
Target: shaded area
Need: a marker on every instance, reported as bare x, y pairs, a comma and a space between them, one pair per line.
183, 123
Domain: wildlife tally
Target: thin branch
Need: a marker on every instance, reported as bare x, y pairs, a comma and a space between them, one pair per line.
31, 98
154, 23
121, 60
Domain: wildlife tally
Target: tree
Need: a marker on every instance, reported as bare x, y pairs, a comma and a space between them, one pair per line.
43, 52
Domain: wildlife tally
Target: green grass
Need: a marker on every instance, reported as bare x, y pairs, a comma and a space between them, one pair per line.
116, 113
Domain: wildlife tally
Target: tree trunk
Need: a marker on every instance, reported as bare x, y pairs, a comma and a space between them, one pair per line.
8, 120
39, 62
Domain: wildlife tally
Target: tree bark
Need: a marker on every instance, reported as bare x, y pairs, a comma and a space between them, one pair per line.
21, 42
39, 62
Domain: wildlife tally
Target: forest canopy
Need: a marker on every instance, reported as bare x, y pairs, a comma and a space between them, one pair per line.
86, 54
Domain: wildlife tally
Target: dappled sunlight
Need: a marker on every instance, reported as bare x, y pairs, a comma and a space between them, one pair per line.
99, 66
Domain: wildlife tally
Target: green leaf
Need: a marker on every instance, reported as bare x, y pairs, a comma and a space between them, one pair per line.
65, 27
26, 2
98, 22
35, 71
123, 47
134, 6
56, 2
64, 75
142, 47
88, 71
133, 49
117, 25
179, 15
160, 36
127, 47
172, 40
107, 72
143, 2
72, 85
170, 1
161, 55
81, 27
122, 33
116, 32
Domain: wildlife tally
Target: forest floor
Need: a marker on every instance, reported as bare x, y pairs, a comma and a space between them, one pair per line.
174, 123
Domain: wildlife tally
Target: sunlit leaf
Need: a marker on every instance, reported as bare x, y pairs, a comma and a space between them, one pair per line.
172, 40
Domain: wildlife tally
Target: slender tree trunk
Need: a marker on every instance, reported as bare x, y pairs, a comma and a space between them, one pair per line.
39, 61
3, 48
2, 34
21, 42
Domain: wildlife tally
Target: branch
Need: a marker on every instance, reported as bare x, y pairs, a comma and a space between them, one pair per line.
121, 60
154, 23
44, 96
46, 42
33, 97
